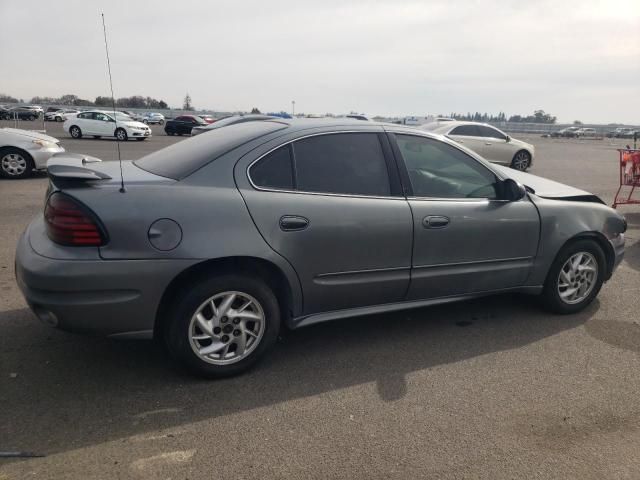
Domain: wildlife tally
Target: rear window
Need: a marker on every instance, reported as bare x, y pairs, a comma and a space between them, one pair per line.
183, 158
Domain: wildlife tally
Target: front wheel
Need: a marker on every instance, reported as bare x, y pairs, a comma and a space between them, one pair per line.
75, 132
521, 160
161, 122
575, 277
220, 326
15, 163
58, 119
121, 134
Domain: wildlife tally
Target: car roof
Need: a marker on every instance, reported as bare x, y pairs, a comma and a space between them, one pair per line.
448, 125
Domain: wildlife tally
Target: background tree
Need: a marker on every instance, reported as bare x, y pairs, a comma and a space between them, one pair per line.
8, 98
187, 103
255, 110
577, 122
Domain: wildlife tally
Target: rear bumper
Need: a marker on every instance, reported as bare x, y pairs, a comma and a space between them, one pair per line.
104, 297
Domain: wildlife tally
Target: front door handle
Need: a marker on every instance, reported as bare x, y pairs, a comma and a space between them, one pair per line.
435, 221
293, 223
487, 143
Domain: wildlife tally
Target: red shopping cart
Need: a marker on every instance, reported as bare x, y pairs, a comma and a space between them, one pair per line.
629, 176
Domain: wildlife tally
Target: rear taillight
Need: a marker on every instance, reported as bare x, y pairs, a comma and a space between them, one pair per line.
71, 223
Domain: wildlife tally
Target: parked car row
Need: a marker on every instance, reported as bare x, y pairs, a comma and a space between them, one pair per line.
624, 132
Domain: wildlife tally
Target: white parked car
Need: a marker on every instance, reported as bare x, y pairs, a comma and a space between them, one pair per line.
586, 132
99, 124
488, 142
22, 151
60, 115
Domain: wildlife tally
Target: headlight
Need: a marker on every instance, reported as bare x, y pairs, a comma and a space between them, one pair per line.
44, 144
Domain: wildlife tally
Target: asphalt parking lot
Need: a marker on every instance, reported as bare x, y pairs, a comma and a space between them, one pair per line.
490, 389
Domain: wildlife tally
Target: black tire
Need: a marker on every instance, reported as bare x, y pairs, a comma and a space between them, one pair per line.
58, 119
31, 118
121, 134
168, 133
145, 121
551, 296
521, 160
161, 122
75, 132
176, 332
7, 170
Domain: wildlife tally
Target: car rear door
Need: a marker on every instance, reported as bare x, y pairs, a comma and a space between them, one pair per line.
469, 136
466, 239
331, 204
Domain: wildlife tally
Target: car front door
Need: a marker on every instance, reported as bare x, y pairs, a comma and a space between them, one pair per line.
466, 239
104, 125
496, 146
331, 204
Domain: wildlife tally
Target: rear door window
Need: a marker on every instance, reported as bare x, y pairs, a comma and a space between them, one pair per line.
275, 170
466, 131
343, 163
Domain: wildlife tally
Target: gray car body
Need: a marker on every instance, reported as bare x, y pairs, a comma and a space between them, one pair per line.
358, 256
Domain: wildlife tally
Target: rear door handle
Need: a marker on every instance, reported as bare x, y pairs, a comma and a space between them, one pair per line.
293, 223
435, 221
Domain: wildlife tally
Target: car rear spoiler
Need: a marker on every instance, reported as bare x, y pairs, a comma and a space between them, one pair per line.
74, 166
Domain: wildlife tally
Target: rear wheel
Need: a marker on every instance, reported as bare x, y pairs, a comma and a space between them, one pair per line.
121, 134
75, 132
221, 326
31, 118
161, 122
521, 160
575, 277
15, 163
58, 119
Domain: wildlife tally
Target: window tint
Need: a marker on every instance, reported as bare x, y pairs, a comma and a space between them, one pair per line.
85, 115
348, 163
490, 132
274, 170
466, 131
437, 169
181, 119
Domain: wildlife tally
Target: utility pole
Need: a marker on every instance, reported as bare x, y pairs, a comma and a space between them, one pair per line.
293, 108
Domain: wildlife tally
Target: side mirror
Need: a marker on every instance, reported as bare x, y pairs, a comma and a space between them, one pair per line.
508, 139
512, 191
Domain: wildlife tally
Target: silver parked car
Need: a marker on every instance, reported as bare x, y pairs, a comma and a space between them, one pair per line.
230, 120
489, 142
23, 151
217, 241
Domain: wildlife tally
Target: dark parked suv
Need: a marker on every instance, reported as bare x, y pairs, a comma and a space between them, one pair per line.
183, 124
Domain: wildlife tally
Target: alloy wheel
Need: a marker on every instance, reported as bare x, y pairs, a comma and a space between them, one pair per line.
578, 276
521, 161
13, 164
226, 328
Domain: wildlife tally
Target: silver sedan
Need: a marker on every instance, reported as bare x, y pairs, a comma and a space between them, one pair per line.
215, 242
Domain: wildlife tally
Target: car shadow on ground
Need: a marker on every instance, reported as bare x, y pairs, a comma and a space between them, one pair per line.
73, 391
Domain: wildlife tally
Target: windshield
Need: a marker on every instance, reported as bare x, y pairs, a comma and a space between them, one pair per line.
121, 117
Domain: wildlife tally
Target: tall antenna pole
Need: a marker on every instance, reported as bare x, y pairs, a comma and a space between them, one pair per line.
113, 103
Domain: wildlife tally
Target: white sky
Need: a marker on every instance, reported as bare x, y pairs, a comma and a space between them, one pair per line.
575, 59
